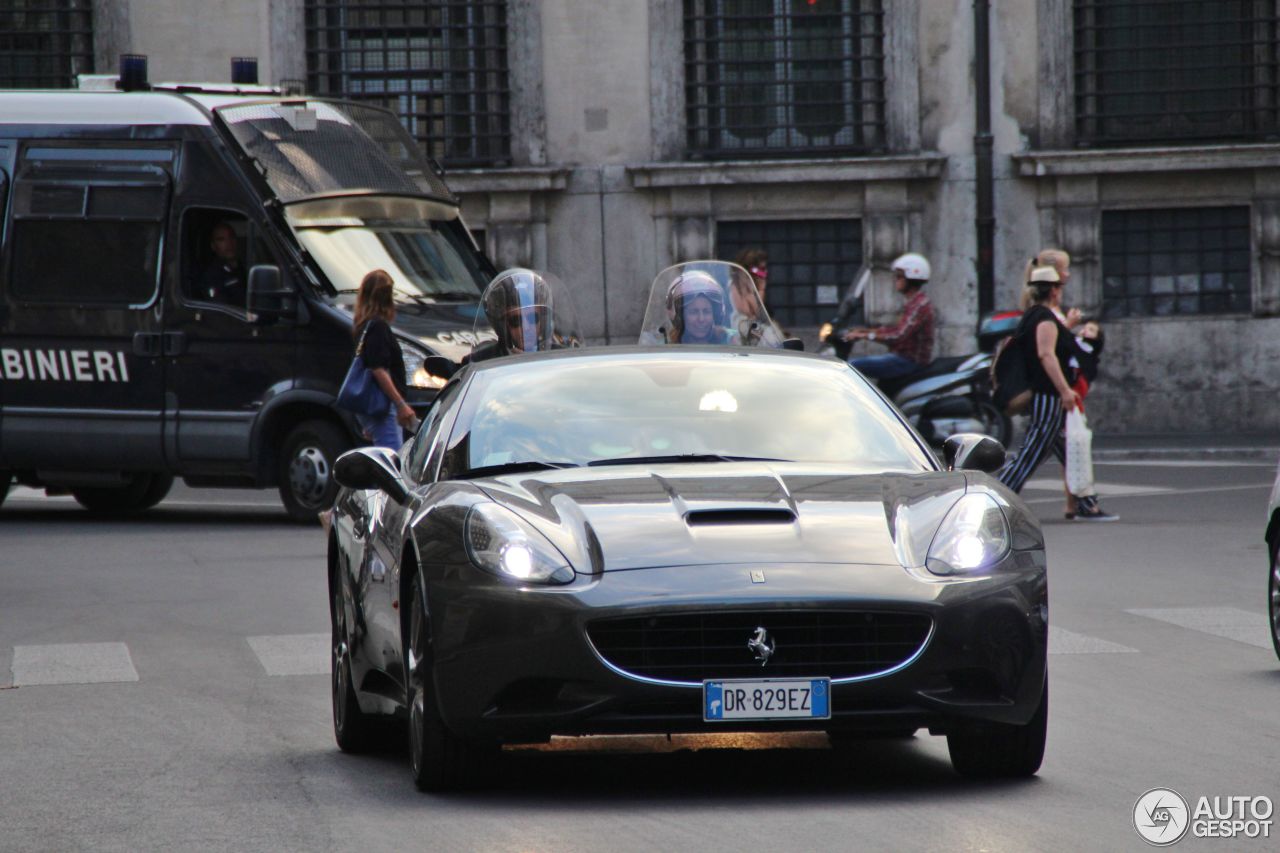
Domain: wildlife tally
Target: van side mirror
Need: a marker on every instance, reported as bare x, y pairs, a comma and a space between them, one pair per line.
268, 298
371, 468
971, 451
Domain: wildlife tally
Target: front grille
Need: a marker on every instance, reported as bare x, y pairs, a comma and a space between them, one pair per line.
691, 647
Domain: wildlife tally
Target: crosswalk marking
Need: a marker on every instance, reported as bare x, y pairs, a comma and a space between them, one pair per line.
292, 654
1105, 489
1228, 622
1064, 642
72, 663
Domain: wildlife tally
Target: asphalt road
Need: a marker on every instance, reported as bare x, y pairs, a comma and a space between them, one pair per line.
163, 686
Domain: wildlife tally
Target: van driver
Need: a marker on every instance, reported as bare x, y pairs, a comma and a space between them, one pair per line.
222, 279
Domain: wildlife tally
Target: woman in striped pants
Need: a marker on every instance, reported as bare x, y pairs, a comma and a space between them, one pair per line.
1047, 346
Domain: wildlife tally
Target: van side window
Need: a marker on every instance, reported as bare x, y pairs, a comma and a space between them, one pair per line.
87, 236
214, 262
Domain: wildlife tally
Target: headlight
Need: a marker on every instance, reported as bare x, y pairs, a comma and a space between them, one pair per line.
973, 536
501, 542
415, 368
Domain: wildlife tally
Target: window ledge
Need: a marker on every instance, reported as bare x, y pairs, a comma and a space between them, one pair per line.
824, 170
528, 179
1116, 161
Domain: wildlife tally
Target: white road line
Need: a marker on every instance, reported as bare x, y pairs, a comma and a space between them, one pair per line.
1064, 642
1183, 463
1106, 489
1228, 622
292, 654
72, 663
1156, 491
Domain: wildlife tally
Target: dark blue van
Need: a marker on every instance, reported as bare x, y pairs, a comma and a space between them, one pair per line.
178, 269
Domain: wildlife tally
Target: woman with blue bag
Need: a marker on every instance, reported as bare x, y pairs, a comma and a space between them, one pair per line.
379, 352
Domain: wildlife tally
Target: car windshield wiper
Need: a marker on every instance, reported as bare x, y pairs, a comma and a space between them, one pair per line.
517, 468
682, 457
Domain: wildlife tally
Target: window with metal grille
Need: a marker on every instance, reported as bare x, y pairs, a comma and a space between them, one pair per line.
1179, 261
441, 65
811, 264
44, 44
1165, 71
784, 77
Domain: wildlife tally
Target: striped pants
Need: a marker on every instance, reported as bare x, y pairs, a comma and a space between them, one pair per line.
1044, 434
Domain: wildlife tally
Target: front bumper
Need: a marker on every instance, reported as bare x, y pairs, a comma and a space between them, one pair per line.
515, 663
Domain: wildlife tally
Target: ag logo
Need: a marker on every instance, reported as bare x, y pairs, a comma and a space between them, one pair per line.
1161, 817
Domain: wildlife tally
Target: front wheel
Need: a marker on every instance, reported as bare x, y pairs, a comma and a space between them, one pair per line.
6, 479
994, 750
140, 491
353, 729
1273, 595
305, 474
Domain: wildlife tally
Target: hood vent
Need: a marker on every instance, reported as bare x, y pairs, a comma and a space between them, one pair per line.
721, 517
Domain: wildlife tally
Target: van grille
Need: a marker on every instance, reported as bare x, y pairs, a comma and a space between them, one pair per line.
691, 647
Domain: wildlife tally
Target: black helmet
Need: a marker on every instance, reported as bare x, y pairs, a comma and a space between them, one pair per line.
518, 305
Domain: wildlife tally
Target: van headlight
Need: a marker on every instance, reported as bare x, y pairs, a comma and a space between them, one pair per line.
973, 537
501, 542
415, 369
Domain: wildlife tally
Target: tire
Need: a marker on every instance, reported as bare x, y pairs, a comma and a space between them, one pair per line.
438, 759
996, 750
143, 491
6, 480
353, 729
996, 423
305, 472
1273, 596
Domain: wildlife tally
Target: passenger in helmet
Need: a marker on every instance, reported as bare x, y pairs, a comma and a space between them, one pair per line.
518, 304
910, 340
696, 309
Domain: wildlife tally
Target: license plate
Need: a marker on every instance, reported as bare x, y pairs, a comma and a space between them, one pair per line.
766, 699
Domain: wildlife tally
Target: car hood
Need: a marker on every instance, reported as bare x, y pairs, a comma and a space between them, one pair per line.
633, 517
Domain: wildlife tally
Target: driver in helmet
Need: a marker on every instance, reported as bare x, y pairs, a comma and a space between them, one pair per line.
696, 310
518, 306
910, 340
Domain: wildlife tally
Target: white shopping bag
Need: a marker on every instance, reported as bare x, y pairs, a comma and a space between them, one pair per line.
1079, 455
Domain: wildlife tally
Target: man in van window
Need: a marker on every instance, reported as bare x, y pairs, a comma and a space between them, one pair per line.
222, 279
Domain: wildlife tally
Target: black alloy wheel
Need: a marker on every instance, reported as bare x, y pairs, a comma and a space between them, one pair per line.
353, 729
439, 759
141, 491
1273, 596
305, 473
1001, 750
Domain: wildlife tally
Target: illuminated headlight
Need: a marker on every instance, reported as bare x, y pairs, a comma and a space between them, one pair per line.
974, 536
415, 368
501, 542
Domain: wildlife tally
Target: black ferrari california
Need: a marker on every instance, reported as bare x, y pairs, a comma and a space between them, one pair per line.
682, 539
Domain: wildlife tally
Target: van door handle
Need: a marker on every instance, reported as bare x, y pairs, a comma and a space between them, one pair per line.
146, 344
175, 343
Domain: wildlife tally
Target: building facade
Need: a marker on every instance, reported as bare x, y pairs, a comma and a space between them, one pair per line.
606, 140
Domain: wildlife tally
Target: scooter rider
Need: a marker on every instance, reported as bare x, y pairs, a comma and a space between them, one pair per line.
910, 340
518, 304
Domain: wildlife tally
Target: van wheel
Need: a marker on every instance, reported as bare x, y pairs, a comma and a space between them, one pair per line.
143, 491
306, 478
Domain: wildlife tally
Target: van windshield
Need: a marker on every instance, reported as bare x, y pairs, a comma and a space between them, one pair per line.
428, 261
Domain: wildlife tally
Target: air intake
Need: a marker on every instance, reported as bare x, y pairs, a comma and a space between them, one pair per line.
720, 517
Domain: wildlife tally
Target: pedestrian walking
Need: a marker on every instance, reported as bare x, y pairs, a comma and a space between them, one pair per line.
378, 348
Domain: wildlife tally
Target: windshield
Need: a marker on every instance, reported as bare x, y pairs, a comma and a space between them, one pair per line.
580, 411
428, 261
707, 302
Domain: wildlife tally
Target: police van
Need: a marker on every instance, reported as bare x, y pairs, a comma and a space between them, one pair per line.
178, 270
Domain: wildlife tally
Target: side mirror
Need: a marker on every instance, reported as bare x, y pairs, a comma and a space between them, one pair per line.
793, 343
438, 365
971, 451
371, 468
268, 298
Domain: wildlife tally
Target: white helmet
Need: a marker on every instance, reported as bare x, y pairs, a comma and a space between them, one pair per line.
915, 267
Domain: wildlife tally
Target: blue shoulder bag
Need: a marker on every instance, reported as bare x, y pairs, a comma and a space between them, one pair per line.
360, 392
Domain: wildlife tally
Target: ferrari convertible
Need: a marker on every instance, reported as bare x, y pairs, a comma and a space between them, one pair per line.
681, 539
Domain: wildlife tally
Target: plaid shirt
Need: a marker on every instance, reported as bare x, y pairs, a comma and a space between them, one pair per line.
913, 336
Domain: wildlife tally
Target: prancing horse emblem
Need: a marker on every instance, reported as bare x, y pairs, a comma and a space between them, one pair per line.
761, 646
